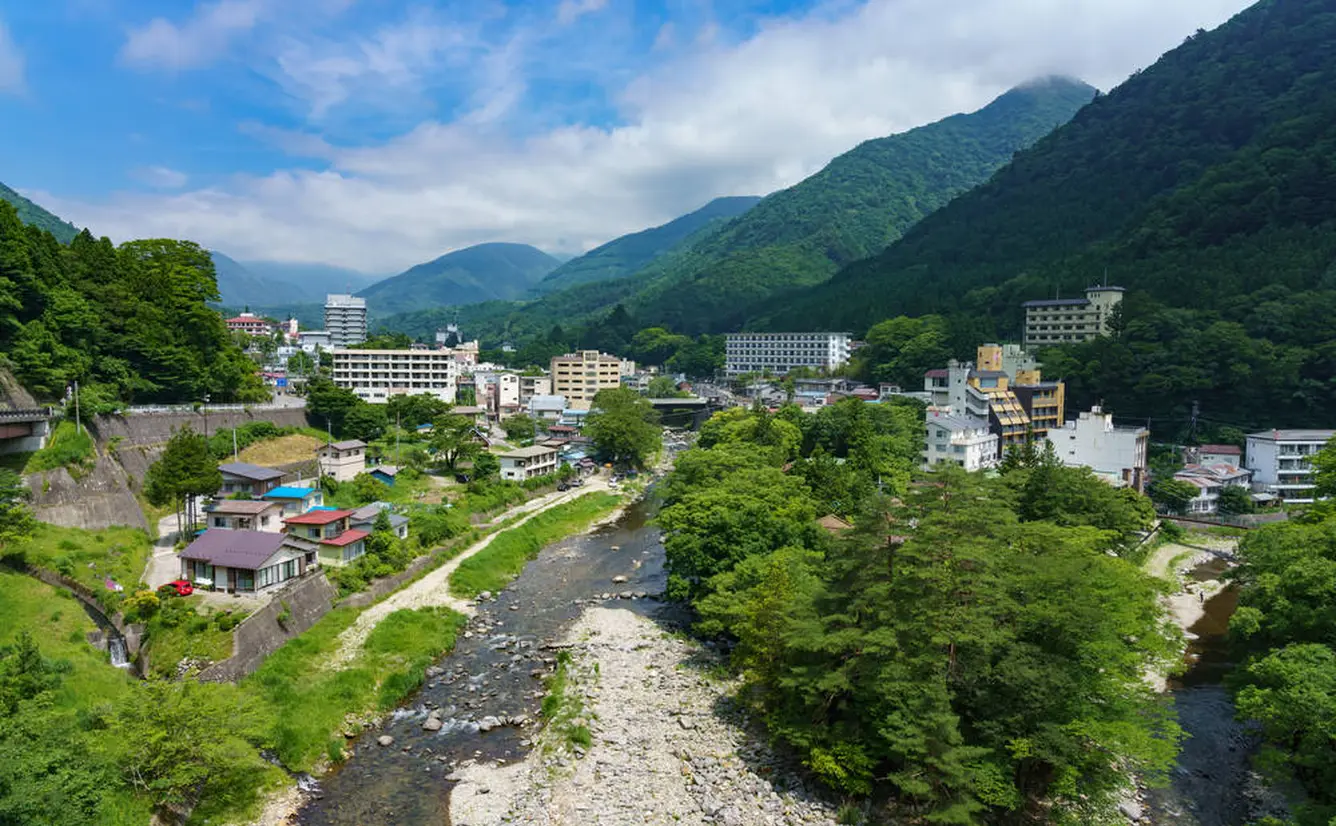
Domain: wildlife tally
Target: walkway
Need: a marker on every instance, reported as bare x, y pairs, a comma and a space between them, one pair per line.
163, 566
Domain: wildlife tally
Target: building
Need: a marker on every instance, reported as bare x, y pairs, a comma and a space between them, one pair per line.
246, 562
342, 460
579, 376
245, 478
528, 462
364, 519
295, 500
501, 396
531, 386
1064, 320
957, 440
1213, 455
1281, 462
339, 543
547, 408
376, 375
1116, 454
1006, 388
1210, 480
245, 515
345, 319
778, 353
313, 341
250, 324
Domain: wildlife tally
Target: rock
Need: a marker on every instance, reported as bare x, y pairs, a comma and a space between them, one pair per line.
432, 724
484, 596
488, 723
484, 790
1131, 810
619, 579
687, 723
385, 740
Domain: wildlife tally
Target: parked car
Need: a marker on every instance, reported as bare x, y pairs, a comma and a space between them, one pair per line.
563, 486
177, 587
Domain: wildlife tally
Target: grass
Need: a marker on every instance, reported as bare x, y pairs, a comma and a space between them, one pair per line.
501, 561
90, 556
195, 635
563, 709
67, 448
297, 447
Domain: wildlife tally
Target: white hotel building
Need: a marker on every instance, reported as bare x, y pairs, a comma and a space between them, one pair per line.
779, 353
376, 375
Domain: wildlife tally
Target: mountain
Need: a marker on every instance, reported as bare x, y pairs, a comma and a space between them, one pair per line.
1202, 180
33, 215
314, 280
623, 256
240, 287
470, 275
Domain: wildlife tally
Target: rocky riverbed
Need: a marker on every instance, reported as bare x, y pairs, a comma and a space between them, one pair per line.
668, 745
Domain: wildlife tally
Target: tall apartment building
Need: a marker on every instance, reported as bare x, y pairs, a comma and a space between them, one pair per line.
1116, 454
1064, 320
579, 376
779, 353
345, 319
1006, 389
531, 386
376, 375
1281, 462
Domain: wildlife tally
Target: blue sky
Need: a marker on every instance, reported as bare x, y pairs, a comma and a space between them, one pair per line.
378, 133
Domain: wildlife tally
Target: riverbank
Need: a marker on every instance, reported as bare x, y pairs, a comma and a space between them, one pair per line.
667, 747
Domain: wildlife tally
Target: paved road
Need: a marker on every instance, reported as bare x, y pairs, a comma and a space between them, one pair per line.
163, 566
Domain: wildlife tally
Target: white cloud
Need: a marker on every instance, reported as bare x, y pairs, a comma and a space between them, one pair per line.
197, 42
12, 64
570, 10
161, 177
745, 118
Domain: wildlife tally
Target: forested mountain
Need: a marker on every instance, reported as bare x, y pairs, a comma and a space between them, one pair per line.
1205, 184
315, 281
130, 323
623, 256
239, 287
33, 215
473, 274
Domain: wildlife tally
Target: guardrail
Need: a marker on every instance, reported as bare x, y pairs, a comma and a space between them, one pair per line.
26, 414
137, 410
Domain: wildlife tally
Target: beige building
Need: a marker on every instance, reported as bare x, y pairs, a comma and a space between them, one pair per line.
528, 462
579, 376
342, 460
1066, 320
376, 375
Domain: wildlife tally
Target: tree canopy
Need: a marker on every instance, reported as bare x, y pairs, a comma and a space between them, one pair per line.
623, 426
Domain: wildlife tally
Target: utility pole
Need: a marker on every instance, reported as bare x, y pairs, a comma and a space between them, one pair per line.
235, 457
78, 423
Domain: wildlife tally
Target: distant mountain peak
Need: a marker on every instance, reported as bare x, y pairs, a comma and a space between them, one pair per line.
482, 272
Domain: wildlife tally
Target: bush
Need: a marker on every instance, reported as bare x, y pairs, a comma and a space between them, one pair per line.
141, 606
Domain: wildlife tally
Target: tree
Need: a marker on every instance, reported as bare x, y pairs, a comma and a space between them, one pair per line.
368, 488
520, 428
623, 426
663, 387
16, 520
300, 363
410, 412
485, 466
1173, 494
1234, 500
186, 470
1324, 470
366, 422
328, 405
453, 440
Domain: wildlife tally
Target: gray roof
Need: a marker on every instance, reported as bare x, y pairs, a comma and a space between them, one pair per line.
528, 452
347, 444
1293, 435
388, 470
243, 507
248, 471
957, 423
1057, 302
235, 549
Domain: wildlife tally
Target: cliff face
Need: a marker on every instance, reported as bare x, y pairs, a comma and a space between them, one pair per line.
12, 394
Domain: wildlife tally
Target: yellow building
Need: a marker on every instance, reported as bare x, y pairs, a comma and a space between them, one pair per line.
579, 376
1019, 399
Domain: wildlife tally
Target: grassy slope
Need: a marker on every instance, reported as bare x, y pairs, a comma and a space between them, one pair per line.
90, 556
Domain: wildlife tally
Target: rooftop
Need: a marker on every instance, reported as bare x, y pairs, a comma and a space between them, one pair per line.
347, 444
531, 452
242, 507
290, 492
1293, 435
1057, 302
1224, 450
318, 517
235, 549
249, 471
388, 470
346, 538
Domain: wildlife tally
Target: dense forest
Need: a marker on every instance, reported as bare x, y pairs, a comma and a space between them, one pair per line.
33, 215
130, 323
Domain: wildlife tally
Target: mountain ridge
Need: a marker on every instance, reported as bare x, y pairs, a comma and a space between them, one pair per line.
35, 215
481, 272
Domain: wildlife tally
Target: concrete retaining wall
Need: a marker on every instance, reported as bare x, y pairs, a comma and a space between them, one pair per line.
100, 499
261, 634
386, 585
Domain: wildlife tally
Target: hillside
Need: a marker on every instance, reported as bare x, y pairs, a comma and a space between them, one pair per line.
623, 256
240, 287
33, 215
479, 273
314, 281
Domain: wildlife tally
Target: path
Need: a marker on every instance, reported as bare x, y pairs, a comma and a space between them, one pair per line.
163, 566
434, 589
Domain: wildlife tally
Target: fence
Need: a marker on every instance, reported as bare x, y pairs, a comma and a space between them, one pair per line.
149, 409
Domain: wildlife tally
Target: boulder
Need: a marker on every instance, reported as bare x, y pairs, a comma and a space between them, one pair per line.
385, 740
619, 579
432, 724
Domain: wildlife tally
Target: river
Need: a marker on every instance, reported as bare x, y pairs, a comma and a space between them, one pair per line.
488, 674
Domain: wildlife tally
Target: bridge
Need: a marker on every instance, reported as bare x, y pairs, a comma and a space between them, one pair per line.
24, 430
690, 411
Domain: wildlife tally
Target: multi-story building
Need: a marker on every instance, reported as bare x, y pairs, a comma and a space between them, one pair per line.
376, 375
531, 386
778, 353
342, 460
313, 341
499, 393
1210, 480
1116, 454
250, 324
1006, 389
1064, 320
1281, 462
579, 376
528, 462
345, 319
958, 440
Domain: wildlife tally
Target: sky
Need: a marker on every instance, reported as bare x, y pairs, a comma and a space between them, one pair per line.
376, 134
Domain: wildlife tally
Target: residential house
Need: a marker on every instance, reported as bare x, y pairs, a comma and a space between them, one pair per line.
246, 562
364, 519
250, 324
1213, 455
242, 477
547, 408
339, 542
1116, 454
957, 440
296, 500
1210, 480
245, 515
384, 473
474, 412
1281, 462
528, 462
342, 460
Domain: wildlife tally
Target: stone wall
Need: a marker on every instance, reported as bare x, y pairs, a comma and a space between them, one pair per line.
387, 585
98, 499
261, 634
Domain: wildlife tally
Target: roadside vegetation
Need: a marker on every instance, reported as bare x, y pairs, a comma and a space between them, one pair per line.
93, 558
66, 447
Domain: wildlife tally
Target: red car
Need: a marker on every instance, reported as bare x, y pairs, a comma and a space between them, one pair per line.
180, 587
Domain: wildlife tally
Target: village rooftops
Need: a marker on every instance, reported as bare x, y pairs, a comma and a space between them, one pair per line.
242, 507
1221, 450
255, 473
290, 492
237, 549
317, 516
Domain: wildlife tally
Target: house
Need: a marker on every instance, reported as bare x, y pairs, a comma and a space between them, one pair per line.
1210, 480
958, 440
250, 324
1281, 462
477, 414
342, 460
384, 473
364, 519
246, 562
1116, 454
547, 408
296, 500
1213, 455
339, 542
242, 477
528, 462
246, 515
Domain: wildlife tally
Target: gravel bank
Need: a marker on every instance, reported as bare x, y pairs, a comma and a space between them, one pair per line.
668, 748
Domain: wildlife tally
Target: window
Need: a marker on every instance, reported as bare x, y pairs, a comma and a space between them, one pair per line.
245, 580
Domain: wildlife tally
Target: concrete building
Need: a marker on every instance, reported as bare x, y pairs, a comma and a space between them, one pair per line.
246, 562
1213, 455
958, 440
1281, 462
1210, 480
528, 462
313, 341
1064, 320
376, 375
1116, 454
1006, 388
245, 515
345, 319
547, 408
250, 324
579, 376
778, 353
531, 386
342, 460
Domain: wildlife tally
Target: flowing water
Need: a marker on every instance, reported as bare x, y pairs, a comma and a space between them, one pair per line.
489, 674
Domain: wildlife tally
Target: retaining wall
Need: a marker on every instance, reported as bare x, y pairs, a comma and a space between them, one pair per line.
261, 634
99, 499
386, 585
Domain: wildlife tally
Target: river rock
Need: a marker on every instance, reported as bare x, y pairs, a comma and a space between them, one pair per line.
385, 740
488, 723
432, 724
619, 579
1131, 810
484, 596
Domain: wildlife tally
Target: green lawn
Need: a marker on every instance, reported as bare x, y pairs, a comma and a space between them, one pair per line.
90, 556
